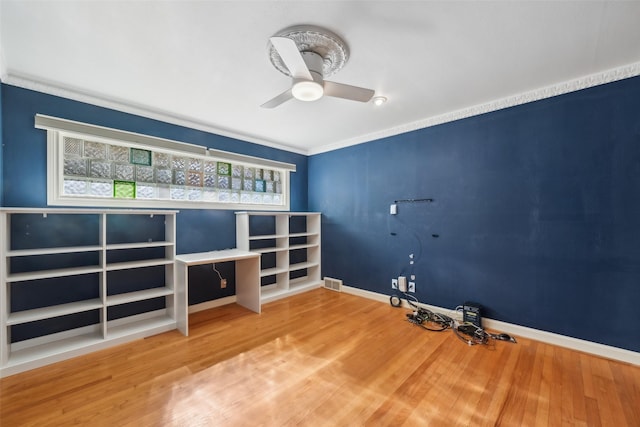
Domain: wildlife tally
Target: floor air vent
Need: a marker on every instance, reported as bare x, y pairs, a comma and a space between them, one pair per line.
333, 284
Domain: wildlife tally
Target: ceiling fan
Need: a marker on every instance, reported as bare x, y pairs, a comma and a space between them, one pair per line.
308, 54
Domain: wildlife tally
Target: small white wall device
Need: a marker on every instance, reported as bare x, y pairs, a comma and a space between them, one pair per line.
402, 284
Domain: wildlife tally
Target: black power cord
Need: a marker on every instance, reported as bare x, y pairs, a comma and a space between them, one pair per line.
437, 322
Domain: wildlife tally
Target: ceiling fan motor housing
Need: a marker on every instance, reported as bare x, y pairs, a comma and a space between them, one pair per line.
331, 49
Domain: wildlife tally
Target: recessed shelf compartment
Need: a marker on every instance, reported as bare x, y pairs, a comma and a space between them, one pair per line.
77, 280
52, 311
138, 296
268, 250
52, 251
304, 246
157, 324
273, 271
138, 264
293, 249
45, 274
26, 358
302, 265
138, 245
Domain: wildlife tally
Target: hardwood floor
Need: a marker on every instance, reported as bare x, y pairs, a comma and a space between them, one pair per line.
322, 359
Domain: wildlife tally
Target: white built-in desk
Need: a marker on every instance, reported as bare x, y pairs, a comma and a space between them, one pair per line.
247, 275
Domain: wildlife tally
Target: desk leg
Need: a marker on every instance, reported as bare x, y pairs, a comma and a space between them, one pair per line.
248, 283
182, 297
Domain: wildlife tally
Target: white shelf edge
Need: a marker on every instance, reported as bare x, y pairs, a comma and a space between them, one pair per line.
298, 288
53, 251
48, 274
273, 271
303, 234
81, 211
56, 348
146, 326
272, 293
304, 282
268, 236
137, 245
137, 296
49, 312
138, 264
305, 246
302, 265
269, 250
277, 213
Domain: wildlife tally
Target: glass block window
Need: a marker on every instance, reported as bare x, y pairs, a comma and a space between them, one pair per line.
97, 171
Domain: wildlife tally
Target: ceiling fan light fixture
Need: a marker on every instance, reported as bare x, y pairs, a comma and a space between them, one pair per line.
307, 90
379, 100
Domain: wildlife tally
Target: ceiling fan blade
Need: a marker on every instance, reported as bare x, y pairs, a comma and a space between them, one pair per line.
274, 102
288, 51
354, 93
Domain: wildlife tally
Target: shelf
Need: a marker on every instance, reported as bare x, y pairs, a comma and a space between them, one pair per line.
302, 234
302, 265
273, 293
304, 283
138, 264
53, 311
304, 246
301, 231
146, 326
52, 349
47, 274
53, 251
273, 271
268, 250
138, 296
268, 236
223, 255
138, 245
89, 274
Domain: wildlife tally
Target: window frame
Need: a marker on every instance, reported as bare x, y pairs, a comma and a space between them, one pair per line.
58, 129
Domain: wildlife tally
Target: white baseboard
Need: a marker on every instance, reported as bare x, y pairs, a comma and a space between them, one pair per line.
590, 347
212, 304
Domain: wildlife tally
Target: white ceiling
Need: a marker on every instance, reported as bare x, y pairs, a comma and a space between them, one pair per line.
205, 63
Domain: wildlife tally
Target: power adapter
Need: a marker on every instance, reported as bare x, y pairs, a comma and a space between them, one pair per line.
471, 313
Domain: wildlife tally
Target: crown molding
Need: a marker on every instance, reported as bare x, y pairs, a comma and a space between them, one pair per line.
596, 79
139, 110
608, 76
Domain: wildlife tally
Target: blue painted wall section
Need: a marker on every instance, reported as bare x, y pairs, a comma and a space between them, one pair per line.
1, 146
23, 176
536, 210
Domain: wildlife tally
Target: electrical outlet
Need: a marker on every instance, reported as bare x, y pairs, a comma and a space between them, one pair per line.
412, 286
223, 283
394, 283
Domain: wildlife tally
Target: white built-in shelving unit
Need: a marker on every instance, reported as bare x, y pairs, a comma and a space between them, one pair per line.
289, 244
77, 280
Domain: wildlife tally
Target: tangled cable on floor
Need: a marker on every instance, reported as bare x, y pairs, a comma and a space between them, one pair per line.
467, 332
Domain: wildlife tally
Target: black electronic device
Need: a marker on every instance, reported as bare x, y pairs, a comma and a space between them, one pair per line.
471, 313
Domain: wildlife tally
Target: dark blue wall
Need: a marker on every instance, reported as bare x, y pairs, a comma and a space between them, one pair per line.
1, 146
537, 209
24, 159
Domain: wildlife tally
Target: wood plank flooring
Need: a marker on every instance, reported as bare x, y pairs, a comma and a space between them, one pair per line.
323, 359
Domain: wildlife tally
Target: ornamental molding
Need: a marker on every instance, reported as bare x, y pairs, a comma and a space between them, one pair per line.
596, 79
608, 76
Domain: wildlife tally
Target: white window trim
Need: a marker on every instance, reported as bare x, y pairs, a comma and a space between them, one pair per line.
58, 128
